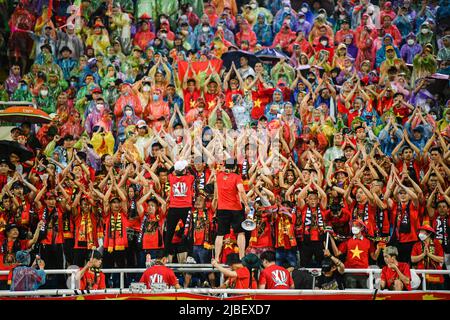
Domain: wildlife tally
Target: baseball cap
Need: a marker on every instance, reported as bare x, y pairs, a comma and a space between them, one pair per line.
180, 165
141, 124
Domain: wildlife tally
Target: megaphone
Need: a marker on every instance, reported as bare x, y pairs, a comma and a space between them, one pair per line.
248, 224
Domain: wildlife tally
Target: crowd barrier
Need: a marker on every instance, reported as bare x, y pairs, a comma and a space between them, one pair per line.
197, 268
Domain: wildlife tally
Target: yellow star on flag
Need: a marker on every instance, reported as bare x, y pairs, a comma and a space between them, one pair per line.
356, 252
257, 103
211, 105
231, 104
192, 104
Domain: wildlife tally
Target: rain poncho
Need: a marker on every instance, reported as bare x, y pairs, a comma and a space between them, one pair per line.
263, 31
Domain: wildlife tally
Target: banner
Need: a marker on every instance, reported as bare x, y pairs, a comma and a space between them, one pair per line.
198, 67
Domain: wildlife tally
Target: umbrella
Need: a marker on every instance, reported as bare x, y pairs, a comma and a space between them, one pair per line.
7, 147
235, 55
24, 114
269, 54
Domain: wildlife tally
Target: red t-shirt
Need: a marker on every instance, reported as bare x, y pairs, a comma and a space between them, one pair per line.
181, 191
158, 274
228, 195
389, 275
276, 277
242, 281
190, 99
414, 220
153, 234
261, 236
88, 281
59, 238
357, 251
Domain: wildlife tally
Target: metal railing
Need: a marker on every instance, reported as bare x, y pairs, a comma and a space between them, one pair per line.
197, 268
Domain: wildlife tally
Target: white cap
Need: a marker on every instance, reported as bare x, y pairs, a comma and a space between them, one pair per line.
180, 165
70, 26
141, 124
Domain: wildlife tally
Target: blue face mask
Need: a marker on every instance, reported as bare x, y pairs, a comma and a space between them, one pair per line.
155, 97
24, 87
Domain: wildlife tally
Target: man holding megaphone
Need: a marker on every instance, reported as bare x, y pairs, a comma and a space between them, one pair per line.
229, 193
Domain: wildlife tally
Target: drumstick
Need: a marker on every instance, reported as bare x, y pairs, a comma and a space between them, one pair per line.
326, 242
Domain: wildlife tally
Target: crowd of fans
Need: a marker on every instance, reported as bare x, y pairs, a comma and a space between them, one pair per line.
169, 128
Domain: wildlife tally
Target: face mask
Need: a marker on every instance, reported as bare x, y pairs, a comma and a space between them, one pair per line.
286, 9
24, 87
410, 42
253, 6
288, 21
128, 113
189, 9
100, 107
425, 31
422, 236
301, 20
155, 97
324, 43
205, 29
44, 93
73, 84
146, 88
355, 230
433, 116
304, 10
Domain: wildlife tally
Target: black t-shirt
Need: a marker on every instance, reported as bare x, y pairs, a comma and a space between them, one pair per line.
335, 282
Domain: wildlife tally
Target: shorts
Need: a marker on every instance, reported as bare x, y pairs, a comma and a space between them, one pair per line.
227, 218
201, 255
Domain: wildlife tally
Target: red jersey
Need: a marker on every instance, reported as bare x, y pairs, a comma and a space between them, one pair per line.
53, 225
152, 225
357, 252
390, 275
115, 231
285, 229
312, 226
366, 213
203, 227
436, 249
407, 226
86, 236
228, 195
261, 236
159, 274
210, 100
242, 281
276, 277
229, 96
181, 191
92, 280
340, 224
190, 99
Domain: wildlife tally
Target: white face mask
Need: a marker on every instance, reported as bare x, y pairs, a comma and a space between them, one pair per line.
433, 116
205, 29
304, 10
410, 42
253, 6
301, 20
356, 230
324, 43
422, 236
100, 107
44, 93
146, 88
128, 113
425, 31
